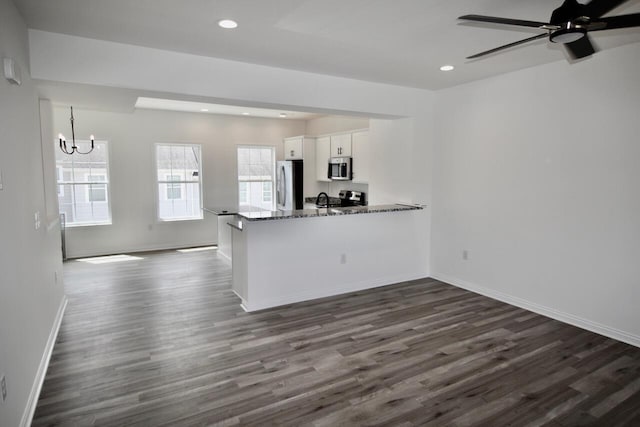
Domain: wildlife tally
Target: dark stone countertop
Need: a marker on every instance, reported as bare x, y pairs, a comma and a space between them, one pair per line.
337, 211
231, 210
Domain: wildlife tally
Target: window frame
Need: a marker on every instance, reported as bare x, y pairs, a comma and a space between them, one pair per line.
182, 183
60, 183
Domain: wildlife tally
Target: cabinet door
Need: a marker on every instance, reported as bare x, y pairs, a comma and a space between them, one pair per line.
323, 152
293, 148
360, 153
341, 145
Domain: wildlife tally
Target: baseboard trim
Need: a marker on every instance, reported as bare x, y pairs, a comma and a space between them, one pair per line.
562, 316
30, 409
331, 292
133, 250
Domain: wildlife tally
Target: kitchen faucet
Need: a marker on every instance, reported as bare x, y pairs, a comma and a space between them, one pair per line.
326, 196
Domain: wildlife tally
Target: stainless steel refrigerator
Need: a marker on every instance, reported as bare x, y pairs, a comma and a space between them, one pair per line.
289, 183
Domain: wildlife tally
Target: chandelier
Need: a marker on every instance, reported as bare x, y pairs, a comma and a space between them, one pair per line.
74, 147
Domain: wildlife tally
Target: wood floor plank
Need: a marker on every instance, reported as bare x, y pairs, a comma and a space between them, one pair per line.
163, 341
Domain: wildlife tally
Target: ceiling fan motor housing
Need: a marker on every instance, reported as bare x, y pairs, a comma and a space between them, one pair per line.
568, 18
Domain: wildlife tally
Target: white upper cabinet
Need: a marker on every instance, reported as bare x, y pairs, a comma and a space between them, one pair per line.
293, 148
323, 152
341, 145
360, 152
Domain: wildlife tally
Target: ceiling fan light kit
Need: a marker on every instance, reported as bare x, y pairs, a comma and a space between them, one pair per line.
569, 34
569, 25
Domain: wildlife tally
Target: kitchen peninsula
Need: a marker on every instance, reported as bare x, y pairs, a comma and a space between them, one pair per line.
283, 257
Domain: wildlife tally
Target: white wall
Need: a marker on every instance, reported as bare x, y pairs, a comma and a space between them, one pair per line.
332, 124
30, 298
132, 139
536, 175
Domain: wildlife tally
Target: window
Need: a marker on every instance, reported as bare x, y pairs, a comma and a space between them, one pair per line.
256, 166
178, 174
83, 185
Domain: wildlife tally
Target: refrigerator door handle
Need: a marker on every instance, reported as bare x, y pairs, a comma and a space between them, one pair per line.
284, 187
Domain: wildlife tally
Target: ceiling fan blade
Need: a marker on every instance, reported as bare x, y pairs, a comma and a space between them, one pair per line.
506, 21
613, 22
597, 8
507, 46
580, 48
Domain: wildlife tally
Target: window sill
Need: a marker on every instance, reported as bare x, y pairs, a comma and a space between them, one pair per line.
162, 221
87, 224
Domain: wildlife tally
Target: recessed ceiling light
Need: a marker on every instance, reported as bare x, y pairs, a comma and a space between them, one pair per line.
227, 23
204, 110
447, 68
245, 114
283, 115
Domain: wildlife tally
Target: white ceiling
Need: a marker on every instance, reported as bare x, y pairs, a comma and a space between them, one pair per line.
401, 42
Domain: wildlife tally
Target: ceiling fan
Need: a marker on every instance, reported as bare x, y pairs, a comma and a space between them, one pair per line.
568, 25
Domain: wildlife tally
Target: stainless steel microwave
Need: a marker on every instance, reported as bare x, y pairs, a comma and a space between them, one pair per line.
340, 168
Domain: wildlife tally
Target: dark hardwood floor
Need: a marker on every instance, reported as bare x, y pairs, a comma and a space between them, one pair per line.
162, 341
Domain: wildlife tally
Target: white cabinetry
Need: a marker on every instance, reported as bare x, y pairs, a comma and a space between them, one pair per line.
323, 152
360, 153
293, 148
341, 145
350, 144
303, 148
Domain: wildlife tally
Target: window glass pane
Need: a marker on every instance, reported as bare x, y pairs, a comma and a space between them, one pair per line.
243, 197
163, 156
85, 210
192, 163
266, 192
186, 207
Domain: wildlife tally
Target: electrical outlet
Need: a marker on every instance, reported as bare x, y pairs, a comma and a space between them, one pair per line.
465, 254
343, 259
3, 386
